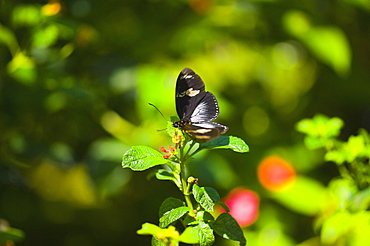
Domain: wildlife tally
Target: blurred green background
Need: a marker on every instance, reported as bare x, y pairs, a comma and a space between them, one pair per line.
76, 77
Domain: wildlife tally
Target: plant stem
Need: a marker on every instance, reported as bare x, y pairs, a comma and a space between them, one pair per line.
184, 181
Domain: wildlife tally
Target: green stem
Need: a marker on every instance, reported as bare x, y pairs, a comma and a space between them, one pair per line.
184, 181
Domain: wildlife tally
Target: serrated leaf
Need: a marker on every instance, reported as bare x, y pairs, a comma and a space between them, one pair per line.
206, 197
227, 227
140, 158
226, 142
169, 204
205, 234
172, 215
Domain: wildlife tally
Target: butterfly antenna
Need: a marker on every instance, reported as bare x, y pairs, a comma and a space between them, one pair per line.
158, 110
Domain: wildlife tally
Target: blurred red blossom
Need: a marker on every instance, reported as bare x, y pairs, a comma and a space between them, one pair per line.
244, 205
275, 174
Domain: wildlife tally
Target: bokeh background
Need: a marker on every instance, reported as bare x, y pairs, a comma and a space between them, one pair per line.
76, 77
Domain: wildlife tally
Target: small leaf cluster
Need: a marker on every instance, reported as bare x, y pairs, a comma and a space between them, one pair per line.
352, 156
351, 192
193, 216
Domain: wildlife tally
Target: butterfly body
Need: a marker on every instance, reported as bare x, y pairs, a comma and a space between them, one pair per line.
196, 107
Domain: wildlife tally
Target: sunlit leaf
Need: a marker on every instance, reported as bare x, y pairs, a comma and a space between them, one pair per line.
149, 229
22, 68
46, 36
205, 234
320, 126
343, 190
172, 216
9, 234
305, 196
26, 15
163, 174
226, 142
8, 38
336, 226
140, 158
328, 43
190, 235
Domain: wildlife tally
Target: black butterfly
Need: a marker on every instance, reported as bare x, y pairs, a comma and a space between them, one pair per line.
196, 107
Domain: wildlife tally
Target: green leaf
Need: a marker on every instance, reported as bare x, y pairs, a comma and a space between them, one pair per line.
343, 191
355, 148
226, 142
172, 216
163, 174
206, 197
171, 210
313, 143
307, 196
22, 68
158, 242
46, 36
140, 158
320, 126
9, 234
26, 15
190, 235
328, 43
361, 200
336, 226
205, 234
149, 229
169, 204
224, 206
8, 38
227, 227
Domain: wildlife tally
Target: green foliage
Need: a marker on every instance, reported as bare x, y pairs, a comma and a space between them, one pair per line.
226, 226
226, 142
320, 130
140, 158
207, 197
351, 192
9, 235
76, 78
199, 223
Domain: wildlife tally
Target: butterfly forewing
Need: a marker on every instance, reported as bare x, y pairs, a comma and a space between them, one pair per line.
196, 108
189, 92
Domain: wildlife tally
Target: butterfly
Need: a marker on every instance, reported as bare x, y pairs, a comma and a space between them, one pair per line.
196, 107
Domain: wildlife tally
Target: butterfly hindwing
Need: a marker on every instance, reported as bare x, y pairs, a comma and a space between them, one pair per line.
206, 110
205, 131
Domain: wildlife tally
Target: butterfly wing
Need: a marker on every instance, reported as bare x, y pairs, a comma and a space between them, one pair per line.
205, 131
189, 92
206, 110
196, 108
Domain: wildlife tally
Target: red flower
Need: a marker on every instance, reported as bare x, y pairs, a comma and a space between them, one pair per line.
244, 205
275, 174
172, 151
